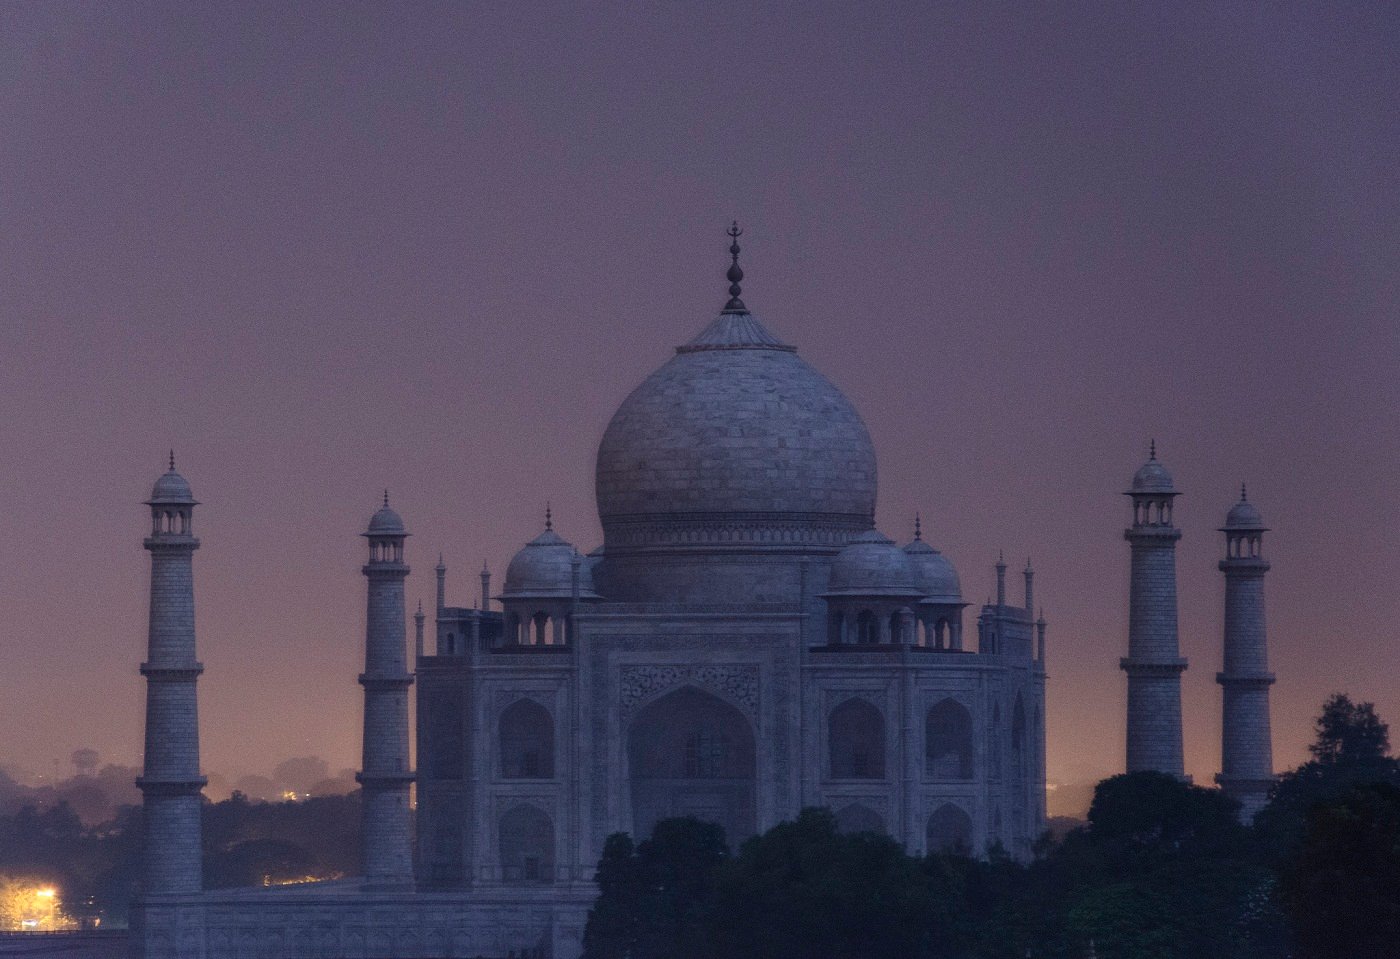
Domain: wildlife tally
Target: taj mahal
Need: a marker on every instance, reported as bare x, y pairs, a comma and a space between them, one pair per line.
743, 644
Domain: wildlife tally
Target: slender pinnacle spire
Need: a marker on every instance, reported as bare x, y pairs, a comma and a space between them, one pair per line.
420, 608
548, 517
1152, 450
735, 274
441, 564
918, 526
1244, 494
1001, 558
172, 460
386, 496
1028, 565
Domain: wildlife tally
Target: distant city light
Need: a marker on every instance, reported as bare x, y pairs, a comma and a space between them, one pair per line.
268, 880
29, 906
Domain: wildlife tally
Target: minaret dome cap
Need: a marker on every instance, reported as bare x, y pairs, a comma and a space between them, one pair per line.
1152, 476
386, 522
1243, 516
172, 489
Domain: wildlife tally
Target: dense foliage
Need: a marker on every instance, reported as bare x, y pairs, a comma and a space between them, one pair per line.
1161, 870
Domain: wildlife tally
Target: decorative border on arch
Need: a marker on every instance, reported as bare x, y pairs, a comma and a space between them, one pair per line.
642, 682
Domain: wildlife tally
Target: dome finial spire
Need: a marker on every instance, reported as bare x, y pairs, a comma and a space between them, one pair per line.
172, 460
1152, 450
548, 516
1244, 494
735, 274
386, 496
918, 526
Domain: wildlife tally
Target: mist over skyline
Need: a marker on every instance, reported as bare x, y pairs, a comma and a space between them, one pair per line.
327, 249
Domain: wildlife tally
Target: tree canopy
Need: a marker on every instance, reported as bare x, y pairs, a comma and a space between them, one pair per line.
1349, 732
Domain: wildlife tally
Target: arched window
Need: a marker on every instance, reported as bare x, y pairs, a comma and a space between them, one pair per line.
527, 845
527, 741
689, 753
858, 818
867, 627
950, 830
948, 741
856, 737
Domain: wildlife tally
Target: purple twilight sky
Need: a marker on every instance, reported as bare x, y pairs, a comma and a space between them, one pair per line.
324, 249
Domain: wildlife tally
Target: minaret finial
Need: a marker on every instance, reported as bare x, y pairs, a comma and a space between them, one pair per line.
918, 526
735, 274
1152, 450
548, 516
172, 460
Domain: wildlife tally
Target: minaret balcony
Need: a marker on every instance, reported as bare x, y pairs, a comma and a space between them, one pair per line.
1152, 667
1245, 680
171, 673
184, 786
383, 681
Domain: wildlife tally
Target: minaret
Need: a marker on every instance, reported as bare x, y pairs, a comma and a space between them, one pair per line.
1154, 664
170, 782
385, 842
1030, 588
1246, 747
418, 618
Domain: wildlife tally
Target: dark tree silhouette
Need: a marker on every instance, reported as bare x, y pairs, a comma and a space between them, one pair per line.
1343, 890
1349, 732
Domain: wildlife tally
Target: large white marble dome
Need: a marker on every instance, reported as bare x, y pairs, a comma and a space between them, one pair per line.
735, 430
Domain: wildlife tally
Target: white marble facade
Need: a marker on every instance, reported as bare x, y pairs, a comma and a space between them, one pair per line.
742, 645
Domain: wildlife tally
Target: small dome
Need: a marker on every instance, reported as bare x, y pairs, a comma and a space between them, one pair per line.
872, 565
1152, 477
1243, 515
934, 573
386, 522
544, 569
172, 488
